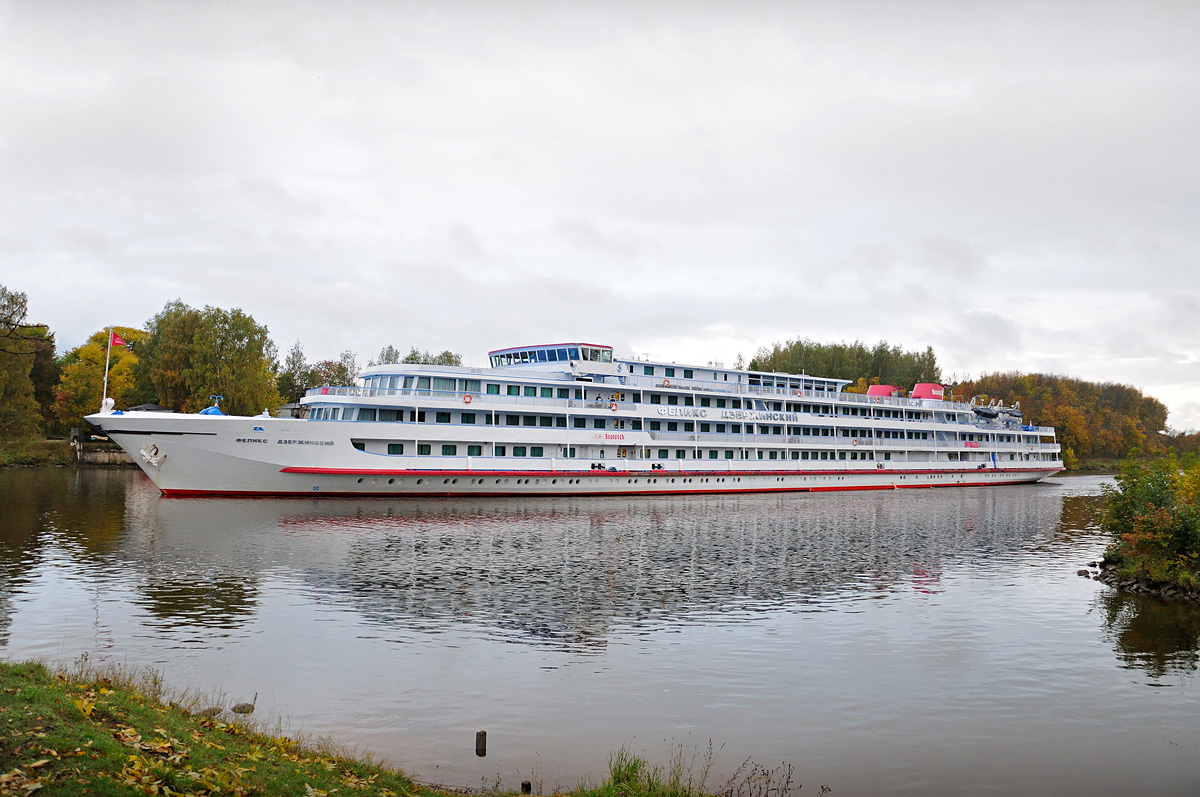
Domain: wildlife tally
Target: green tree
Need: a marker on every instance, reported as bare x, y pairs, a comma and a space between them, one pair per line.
189, 355
233, 356
20, 415
165, 356
388, 355
419, 357
880, 364
296, 376
81, 381
44, 374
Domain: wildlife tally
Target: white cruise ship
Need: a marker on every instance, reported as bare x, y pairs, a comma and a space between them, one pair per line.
573, 419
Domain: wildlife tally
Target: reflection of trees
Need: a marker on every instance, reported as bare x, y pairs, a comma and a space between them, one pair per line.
1153, 634
193, 600
81, 513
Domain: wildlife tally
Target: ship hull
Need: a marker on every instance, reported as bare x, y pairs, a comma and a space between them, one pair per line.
195, 455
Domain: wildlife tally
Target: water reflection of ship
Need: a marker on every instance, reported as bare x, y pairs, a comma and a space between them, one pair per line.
562, 571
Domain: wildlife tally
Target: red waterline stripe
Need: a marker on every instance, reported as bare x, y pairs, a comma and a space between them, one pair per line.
641, 473
173, 493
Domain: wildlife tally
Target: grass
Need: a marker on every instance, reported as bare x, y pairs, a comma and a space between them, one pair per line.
35, 452
82, 732
630, 775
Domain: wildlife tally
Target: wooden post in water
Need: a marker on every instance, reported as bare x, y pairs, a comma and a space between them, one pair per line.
481, 744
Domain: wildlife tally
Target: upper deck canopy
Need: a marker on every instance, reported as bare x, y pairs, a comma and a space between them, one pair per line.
550, 353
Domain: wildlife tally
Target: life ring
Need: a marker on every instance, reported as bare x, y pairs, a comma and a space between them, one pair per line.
1031, 448
800, 393
467, 399
613, 406
854, 441
666, 383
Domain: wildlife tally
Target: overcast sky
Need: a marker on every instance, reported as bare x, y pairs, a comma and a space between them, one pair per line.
1013, 184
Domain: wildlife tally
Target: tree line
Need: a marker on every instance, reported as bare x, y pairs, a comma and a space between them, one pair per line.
182, 356
1092, 419
178, 359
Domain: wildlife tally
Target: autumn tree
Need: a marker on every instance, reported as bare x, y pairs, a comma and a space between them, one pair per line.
336, 373
1092, 419
81, 382
20, 416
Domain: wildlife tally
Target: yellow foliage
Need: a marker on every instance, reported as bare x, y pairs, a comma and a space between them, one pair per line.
80, 388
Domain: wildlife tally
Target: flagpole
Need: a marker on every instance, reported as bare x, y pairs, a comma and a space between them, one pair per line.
107, 355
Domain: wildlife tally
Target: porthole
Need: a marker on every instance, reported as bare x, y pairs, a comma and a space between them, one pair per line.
418, 481
391, 481
497, 481
454, 481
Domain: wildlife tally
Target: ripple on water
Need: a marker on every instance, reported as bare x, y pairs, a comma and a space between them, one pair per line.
850, 634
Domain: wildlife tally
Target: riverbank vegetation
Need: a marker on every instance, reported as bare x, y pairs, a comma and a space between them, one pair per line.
116, 731
1153, 513
85, 732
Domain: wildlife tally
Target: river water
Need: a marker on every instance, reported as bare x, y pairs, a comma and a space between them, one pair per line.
901, 642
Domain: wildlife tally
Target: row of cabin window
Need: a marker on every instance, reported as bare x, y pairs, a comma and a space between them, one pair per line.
877, 412
451, 450
788, 384
560, 422
680, 453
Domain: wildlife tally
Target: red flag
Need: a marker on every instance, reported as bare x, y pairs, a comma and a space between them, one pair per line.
117, 340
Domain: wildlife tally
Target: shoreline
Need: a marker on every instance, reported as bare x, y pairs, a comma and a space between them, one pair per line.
83, 729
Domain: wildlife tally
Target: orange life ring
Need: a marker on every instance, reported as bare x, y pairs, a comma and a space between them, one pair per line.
854, 441
613, 406
467, 399
666, 383
800, 393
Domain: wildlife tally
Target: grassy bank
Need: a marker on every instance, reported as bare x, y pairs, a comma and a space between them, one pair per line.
1153, 513
14, 453
83, 733
115, 732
